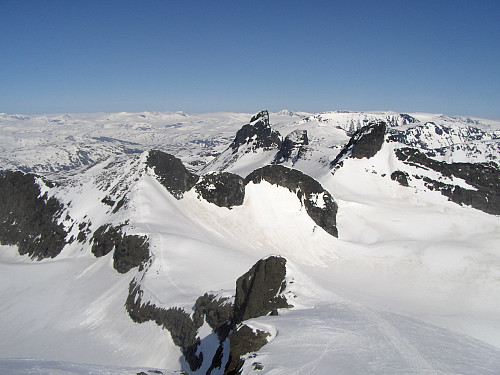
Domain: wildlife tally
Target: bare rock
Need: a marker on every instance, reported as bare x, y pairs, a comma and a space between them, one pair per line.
171, 173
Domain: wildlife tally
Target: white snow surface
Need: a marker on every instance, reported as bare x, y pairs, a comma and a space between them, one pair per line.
411, 286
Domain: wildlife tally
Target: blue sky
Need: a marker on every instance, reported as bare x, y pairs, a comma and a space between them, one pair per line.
197, 56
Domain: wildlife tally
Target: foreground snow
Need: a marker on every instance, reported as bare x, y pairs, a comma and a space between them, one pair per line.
409, 287
39, 367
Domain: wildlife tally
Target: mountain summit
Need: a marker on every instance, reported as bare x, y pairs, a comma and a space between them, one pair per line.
290, 243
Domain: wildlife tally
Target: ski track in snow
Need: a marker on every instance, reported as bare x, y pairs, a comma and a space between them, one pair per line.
409, 352
393, 240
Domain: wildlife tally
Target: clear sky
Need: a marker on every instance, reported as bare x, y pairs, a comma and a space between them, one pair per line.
85, 56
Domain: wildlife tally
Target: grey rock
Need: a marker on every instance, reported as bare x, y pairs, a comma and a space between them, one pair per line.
258, 133
306, 188
171, 173
242, 341
222, 189
129, 250
292, 147
258, 291
28, 219
364, 143
178, 322
401, 177
484, 177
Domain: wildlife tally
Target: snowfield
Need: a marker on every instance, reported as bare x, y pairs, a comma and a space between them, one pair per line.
410, 286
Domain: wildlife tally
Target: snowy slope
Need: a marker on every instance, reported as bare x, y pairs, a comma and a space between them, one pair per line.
409, 286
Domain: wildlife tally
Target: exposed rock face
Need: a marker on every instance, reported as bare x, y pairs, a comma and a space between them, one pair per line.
222, 189
401, 177
181, 327
407, 119
243, 340
292, 147
365, 143
28, 219
130, 250
318, 202
258, 133
171, 173
258, 292
217, 312
370, 140
484, 177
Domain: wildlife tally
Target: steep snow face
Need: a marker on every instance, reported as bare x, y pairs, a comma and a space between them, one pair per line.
409, 286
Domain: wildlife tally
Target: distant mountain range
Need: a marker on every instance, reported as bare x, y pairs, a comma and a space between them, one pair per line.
226, 243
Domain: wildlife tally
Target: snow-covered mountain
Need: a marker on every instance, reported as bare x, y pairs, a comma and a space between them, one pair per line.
332, 243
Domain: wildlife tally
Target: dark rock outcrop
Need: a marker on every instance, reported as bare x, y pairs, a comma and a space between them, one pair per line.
407, 119
370, 140
28, 219
484, 177
401, 177
242, 341
258, 132
258, 292
308, 190
364, 143
217, 312
293, 147
178, 322
222, 189
171, 173
130, 250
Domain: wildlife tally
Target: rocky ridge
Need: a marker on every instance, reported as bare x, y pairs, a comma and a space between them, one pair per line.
364, 143
259, 292
319, 203
34, 222
483, 179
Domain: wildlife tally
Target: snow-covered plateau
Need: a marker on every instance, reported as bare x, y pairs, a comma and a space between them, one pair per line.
224, 243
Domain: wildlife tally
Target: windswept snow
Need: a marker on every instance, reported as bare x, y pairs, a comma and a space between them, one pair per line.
410, 286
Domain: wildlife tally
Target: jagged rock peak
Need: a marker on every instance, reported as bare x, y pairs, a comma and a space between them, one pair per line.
257, 134
292, 147
171, 173
364, 143
259, 292
262, 116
